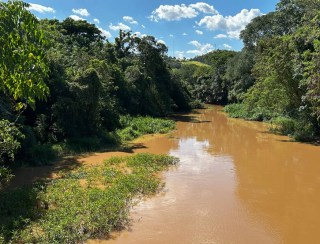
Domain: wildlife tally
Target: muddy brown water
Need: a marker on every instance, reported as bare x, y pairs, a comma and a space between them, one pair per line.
235, 183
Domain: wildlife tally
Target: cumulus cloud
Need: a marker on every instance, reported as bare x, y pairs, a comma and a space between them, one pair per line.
182, 11
120, 26
204, 7
200, 48
75, 17
184, 34
220, 36
40, 8
199, 32
105, 33
81, 12
130, 20
97, 21
226, 46
231, 24
173, 12
161, 42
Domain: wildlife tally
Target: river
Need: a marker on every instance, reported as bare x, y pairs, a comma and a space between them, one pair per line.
235, 183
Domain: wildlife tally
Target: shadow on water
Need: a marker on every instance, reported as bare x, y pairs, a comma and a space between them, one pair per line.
188, 119
131, 148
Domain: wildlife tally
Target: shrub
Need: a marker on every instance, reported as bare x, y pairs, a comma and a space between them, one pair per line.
133, 127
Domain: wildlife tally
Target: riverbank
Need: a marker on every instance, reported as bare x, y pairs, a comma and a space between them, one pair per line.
85, 195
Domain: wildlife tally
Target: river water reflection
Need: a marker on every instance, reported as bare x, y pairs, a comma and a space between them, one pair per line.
235, 183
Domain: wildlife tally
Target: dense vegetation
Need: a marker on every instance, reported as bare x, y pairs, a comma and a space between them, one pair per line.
274, 78
86, 203
64, 87
284, 63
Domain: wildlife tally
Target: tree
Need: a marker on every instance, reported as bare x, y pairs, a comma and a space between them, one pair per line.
22, 58
239, 76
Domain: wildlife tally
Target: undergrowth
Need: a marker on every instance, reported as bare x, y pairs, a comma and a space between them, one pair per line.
133, 127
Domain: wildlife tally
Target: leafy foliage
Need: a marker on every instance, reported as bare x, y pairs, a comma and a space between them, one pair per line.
133, 127
22, 57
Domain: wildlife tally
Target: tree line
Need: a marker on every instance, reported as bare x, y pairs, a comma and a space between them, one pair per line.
61, 82
275, 77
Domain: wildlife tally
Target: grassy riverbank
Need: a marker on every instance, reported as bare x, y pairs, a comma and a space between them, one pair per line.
130, 128
298, 128
85, 203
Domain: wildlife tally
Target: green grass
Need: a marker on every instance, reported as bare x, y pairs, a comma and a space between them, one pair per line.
298, 130
85, 203
240, 110
133, 127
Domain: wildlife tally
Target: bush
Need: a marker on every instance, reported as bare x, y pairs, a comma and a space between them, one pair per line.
5, 176
9, 140
236, 110
297, 129
240, 110
283, 125
133, 127
41, 154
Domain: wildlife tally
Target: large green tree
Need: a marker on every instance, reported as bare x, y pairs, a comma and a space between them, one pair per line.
22, 57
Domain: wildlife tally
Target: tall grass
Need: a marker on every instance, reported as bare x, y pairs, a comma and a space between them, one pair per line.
133, 127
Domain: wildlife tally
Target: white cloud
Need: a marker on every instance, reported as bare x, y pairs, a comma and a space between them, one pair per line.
200, 48
137, 33
161, 42
81, 12
97, 21
234, 34
226, 46
143, 26
105, 33
173, 12
204, 7
76, 17
120, 26
40, 9
231, 24
179, 54
184, 34
220, 36
199, 32
182, 11
171, 35
130, 20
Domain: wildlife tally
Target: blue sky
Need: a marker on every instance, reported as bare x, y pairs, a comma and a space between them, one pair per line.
188, 28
